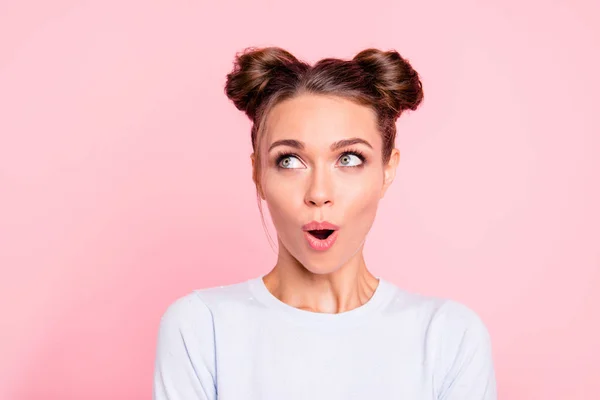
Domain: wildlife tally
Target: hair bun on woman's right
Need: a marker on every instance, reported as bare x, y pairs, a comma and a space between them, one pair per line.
248, 84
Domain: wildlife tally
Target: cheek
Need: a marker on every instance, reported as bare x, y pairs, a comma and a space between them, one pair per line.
285, 186
359, 204
283, 197
363, 189
361, 201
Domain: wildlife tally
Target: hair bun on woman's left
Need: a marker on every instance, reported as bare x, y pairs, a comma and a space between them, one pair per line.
394, 78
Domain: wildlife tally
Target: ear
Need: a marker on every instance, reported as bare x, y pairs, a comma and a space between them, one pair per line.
255, 176
389, 171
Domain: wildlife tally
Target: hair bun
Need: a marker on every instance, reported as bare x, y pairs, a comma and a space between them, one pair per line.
253, 69
394, 79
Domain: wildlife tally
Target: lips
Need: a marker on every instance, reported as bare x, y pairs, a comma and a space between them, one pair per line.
320, 235
320, 230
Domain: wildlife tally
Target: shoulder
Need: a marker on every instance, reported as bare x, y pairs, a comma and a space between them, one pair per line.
187, 313
458, 322
439, 312
449, 325
197, 308
443, 314
461, 345
463, 365
185, 360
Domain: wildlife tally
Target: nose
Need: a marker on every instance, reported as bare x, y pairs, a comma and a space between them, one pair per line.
320, 189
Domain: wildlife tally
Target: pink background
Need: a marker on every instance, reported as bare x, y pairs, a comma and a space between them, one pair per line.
125, 177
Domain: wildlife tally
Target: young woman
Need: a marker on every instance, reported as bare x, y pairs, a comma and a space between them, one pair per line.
319, 325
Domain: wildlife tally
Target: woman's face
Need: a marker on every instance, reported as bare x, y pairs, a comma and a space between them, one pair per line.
303, 179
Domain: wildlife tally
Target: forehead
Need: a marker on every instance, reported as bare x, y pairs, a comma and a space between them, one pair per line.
319, 120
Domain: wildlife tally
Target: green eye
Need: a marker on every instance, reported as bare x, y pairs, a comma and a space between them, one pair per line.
286, 161
347, 159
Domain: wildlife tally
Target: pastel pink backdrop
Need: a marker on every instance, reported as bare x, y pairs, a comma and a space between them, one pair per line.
125, 177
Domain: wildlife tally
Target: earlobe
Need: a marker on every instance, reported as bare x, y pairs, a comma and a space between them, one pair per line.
389, 171
252, 160
255, 176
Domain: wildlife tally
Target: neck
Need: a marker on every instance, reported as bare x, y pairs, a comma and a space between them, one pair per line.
341, 290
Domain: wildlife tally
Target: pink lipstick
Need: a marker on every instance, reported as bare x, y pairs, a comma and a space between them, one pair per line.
320, 235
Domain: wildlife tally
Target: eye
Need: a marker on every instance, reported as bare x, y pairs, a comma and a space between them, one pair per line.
351, 160
286, 161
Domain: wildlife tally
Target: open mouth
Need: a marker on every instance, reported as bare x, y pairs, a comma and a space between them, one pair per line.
321, 234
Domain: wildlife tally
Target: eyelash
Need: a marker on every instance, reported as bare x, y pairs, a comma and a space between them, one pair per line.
284, 154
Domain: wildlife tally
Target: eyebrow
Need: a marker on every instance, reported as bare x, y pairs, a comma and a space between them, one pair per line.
335, 146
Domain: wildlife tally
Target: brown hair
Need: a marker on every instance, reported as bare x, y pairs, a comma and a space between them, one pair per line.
382, 80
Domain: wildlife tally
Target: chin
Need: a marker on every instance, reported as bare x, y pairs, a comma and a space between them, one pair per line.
321, 268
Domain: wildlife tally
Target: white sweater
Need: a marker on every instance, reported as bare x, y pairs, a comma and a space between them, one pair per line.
239, 342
